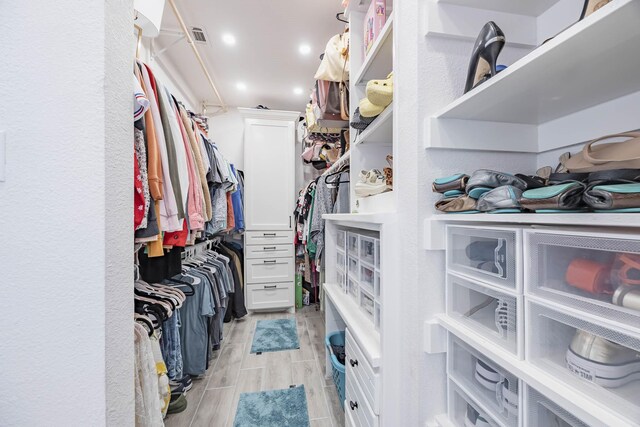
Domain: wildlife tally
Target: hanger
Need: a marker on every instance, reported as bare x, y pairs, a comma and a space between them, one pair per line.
187, 284
341, 19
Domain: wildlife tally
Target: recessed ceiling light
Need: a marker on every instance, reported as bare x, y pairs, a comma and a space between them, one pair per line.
305, 49
229, 39
298, 90
241, 86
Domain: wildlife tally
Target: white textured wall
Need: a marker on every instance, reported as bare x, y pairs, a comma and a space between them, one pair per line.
65, 213
429, 73
227, 131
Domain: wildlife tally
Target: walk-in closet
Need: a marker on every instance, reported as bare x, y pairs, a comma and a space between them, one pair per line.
330, 213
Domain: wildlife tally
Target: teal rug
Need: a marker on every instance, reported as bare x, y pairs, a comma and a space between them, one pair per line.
275, 335
274, 408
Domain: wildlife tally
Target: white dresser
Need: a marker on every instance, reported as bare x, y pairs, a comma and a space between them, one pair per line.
269, 164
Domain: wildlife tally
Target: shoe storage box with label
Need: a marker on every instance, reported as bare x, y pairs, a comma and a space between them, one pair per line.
566, 302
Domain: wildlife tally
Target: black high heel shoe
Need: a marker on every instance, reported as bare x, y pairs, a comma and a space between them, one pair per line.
484, 57
591, 6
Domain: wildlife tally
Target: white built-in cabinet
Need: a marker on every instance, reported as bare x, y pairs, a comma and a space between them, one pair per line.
269, 159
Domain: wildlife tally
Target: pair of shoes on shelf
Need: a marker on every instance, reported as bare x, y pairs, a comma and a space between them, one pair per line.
379, 94
371, 183
491, 41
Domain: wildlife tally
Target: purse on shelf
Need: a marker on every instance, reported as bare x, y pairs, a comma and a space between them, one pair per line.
614, 155
334, 66
344, 100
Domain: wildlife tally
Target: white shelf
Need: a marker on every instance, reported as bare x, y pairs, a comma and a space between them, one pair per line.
333, 124
378, 203
578, 402
379, 61
434, 226
380, 131
360, 220
356, 6
361, 326
600, 53
518, 7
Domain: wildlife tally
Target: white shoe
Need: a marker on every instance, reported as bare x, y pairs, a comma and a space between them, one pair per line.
371, 183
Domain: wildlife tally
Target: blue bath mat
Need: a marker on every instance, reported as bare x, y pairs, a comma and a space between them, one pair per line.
273, 408
275, 335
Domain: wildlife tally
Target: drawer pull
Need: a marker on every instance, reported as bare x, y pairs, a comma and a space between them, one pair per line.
270, 287
269, 234
269, 248
353, 362
353, 405
271, 261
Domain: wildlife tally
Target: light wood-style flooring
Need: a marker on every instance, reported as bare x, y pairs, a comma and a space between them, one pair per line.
213, 399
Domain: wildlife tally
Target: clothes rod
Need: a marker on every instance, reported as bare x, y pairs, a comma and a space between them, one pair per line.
185, 30
345, 159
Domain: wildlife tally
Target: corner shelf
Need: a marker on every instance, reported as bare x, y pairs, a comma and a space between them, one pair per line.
379, 60
550, 82
380, 131
362, 327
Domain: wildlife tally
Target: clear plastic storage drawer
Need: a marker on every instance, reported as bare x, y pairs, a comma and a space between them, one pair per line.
464, 412
541, 411
487, 254
367, 250
341, 278
367, 304
354, 267
368, 278
602, 361
490, 313
488, 383
352, 243
341, 260
341, 239
353, 288
599, 274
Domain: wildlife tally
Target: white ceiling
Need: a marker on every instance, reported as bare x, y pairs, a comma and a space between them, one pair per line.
266, 58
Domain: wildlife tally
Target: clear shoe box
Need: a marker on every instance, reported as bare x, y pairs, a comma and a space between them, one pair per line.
488, 254
463, 410
594, 273
341, 260
494, 314
352, 243
587, 353
341, 239
492, 386
542, 411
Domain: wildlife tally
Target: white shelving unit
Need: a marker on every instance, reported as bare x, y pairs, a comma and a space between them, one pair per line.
380, 131
377, 63
552, 97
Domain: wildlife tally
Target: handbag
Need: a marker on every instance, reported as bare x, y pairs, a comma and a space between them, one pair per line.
614, 155
334, 66
329, 99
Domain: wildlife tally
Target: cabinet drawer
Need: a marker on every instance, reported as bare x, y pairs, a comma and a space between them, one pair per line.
463, 411
269, 295
356, 403
268, 237
358, 370
269, 270
269, 251
487, 254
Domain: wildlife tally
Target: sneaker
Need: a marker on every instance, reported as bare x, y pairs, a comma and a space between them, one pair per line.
177, 404
184, 382
371, 183
601, 361
490, 379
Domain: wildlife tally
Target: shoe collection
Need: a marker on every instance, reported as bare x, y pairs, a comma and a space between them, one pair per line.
474, 419
582, 182
490, 42
374, 182
379, 96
